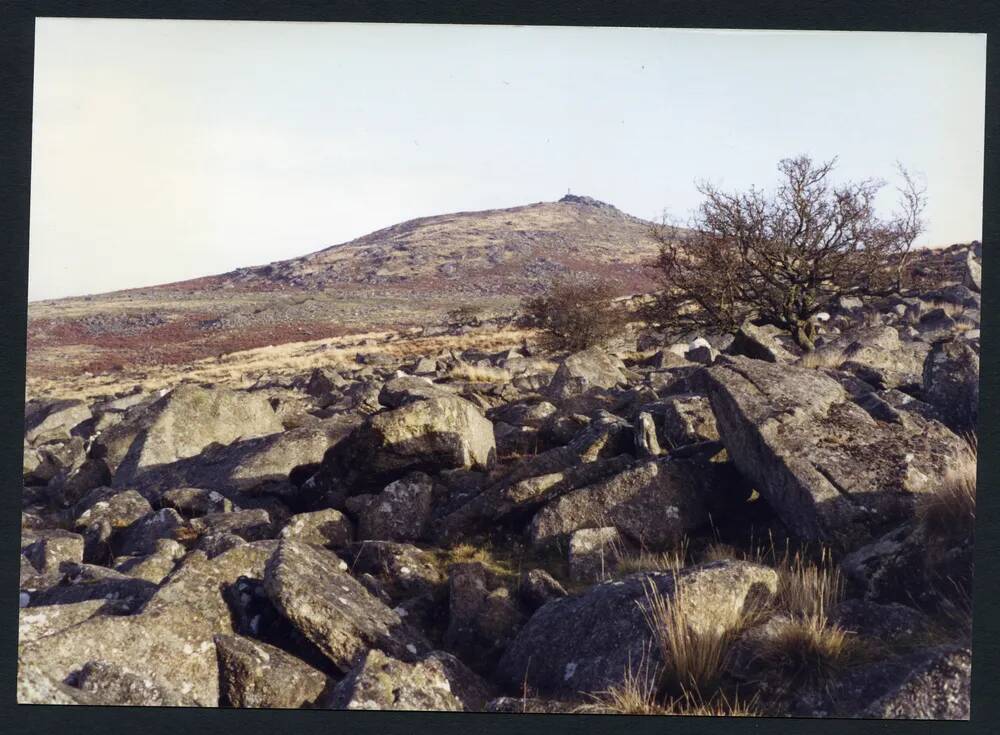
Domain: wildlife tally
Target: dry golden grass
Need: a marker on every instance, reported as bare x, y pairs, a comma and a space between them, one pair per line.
629, 562
465, 552
808, 589
718, 705
242, 369
951, 309
719, 552
807, 645
949, 511
477, 374
829, 357
808, 648
694, 654
638, 695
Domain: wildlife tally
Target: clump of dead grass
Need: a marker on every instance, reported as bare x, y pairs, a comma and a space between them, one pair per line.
718, 705
949, 511
823, 357
806, 588
483, 554
950, 308
639, 694
693, 650
807, 648
807, 644
718, 551
479, 374
627, 561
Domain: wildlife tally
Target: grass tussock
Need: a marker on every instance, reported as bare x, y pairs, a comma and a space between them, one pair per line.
951, 309
718, 551
508, 559
800, 643
823, 357
806, 588
627, 561
477, 374
483, 554
638, 694
719, 705
807, 648
807, 645
949, 511
693, 649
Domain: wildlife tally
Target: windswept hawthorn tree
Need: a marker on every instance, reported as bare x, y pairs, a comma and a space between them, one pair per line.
782, 258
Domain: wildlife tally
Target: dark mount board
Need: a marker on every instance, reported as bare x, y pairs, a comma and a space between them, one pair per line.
16, 57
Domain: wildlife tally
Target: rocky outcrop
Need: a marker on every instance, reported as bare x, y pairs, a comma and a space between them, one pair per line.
255, 674
38, 622
687, 419
332, 609
760, 343
401, 512
588, 642
261, 464
438, 681
113, 684
327, 527
407, 389
171, 640
951, 383
427, 435
516, 496
53, 419
593, 553
349, 534
654, 503
482, 615
828, 467
584, 371
180, 425
878, 356
931, 684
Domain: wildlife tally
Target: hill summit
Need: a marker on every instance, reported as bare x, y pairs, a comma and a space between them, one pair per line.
497, 252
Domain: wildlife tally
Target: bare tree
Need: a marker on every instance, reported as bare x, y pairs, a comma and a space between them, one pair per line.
575, 316
782, 258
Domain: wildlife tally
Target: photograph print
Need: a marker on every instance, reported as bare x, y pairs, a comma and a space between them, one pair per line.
502, 369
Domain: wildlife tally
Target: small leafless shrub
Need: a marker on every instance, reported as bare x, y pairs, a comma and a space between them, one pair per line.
575, 316
466, 315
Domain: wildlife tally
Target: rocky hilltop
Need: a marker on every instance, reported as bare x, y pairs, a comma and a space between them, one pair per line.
411, 274
476, 528
498, 252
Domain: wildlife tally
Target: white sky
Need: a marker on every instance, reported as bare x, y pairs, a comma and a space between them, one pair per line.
165, 150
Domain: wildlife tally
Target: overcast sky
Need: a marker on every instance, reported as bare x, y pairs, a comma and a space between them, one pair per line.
165, 150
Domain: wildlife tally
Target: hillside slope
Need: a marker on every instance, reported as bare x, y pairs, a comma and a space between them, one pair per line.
410, 274
497, 252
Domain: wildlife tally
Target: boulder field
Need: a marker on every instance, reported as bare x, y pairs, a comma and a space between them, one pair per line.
475, 531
